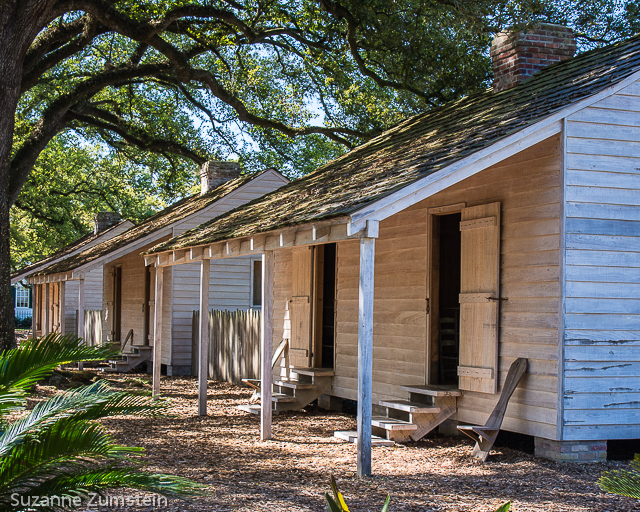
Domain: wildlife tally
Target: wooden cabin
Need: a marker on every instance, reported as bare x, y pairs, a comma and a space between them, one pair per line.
126, 287
411, 272
48, 297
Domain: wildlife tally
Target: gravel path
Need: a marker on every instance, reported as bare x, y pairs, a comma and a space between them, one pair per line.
291, 472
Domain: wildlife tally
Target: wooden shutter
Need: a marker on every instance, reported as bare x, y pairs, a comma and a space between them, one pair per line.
479, 291
300, 310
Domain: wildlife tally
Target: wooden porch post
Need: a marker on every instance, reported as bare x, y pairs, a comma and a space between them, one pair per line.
157, 336
203, 350
81, 316
61, 309
47, 311
365, 354
266, 343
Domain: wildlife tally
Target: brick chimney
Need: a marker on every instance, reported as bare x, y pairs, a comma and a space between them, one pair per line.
214, 173
104, 220
517, 56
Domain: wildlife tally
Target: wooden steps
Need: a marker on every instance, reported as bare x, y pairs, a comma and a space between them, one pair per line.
295, 393
427, 407
351, 436
139, 355
432, 390
408, 406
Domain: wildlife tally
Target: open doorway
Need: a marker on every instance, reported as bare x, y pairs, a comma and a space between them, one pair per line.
326, 305
445, 305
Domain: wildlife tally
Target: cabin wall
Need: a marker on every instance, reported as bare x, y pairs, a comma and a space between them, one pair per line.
602, 272
229, 288
92, 297
132, 300
528, 188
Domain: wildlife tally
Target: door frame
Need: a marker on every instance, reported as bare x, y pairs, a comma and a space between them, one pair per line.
433, 284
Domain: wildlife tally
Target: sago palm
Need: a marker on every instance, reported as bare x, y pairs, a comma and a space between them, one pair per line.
59, 448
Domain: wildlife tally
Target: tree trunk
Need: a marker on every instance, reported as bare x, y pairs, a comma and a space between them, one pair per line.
11, 58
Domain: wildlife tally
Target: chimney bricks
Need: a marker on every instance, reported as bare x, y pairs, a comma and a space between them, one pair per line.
214, 173
104, 220
517, 56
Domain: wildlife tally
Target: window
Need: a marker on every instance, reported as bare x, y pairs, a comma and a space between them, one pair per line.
256, 286
22, 297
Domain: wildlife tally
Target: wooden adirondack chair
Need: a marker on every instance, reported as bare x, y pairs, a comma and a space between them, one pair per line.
485, 435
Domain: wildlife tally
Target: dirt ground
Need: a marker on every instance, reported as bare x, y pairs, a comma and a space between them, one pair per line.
291, 472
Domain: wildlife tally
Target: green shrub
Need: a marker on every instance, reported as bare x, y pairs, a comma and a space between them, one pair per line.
625, 482
60, 448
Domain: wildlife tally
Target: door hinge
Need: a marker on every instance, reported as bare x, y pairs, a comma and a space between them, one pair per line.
428, 306
497, 298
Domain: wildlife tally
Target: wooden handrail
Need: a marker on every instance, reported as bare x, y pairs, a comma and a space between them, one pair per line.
126, 340
282, 351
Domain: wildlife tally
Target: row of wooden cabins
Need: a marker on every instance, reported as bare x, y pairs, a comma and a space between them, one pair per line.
410, 273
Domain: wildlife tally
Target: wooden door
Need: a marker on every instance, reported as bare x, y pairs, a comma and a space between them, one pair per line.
479, 293
300, 310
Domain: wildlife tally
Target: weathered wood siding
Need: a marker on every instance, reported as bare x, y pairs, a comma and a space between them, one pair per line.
92, 297
602, 272
230, 281
132, 300
528, 188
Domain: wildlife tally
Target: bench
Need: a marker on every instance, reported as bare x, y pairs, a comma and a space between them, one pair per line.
485, 435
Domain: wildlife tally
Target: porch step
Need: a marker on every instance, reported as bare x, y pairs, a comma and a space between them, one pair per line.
294, 384
314, 372
282, 398
252, 408
392, 423
432, 390
408, 406
351, 436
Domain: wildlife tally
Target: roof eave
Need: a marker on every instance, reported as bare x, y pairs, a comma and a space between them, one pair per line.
516, 142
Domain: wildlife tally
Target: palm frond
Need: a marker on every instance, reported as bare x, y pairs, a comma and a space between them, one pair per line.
97, 400
64, 448
36, 359
625, 482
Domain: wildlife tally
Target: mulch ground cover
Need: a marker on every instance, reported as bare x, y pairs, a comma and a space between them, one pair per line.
291, 472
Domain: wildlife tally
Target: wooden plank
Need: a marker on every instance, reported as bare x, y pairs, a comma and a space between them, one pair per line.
365, 355
610, 258
478, 223
605, 401
602, 353
480, 373
266, 344
594, 337
603, 162
596, 274
602, 243
603, 290
157, 337
606, 195
603, 305
203, 345
602, 369
603, 211
603, 179
604, 227
602, 385
598, 130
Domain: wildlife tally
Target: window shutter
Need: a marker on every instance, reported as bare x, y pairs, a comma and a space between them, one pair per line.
13, 295
479, 298
300, 307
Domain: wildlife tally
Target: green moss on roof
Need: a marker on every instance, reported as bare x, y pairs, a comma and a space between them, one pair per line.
420, 146
67, 249
162, 219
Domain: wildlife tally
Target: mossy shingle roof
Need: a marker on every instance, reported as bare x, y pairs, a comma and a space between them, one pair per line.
66, 250
162, 219
420, 146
